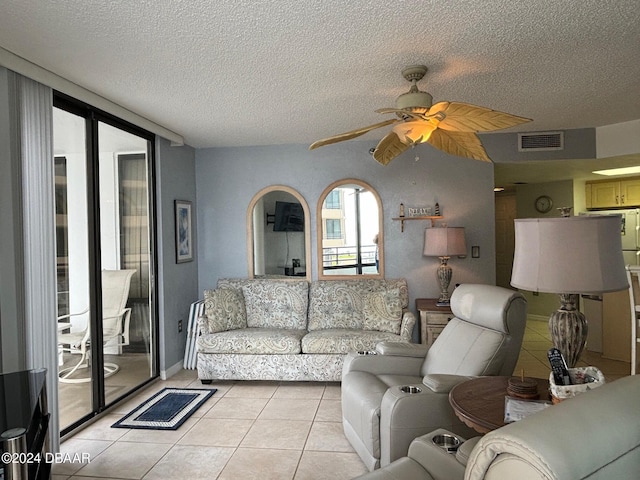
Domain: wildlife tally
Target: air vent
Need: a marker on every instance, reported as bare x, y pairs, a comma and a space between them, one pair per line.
540, 141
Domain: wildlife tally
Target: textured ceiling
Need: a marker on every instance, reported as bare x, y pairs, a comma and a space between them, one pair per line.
251, 72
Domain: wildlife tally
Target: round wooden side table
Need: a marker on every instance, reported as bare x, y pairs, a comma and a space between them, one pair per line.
479, 402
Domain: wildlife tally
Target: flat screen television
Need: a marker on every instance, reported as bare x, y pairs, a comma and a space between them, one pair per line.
289, 217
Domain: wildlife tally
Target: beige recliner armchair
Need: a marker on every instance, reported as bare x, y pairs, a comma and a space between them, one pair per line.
381, 416
595, 435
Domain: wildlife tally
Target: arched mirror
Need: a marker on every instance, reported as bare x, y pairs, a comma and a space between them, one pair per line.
350, 233
278, 235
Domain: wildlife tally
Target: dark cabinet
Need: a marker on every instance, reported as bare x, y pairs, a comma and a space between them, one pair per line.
24, 426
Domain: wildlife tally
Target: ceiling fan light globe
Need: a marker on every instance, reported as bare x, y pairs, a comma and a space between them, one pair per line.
414, 132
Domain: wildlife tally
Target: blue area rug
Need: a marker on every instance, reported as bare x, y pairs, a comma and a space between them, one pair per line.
166, 410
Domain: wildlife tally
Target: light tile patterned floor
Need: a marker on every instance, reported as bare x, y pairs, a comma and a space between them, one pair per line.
261, 430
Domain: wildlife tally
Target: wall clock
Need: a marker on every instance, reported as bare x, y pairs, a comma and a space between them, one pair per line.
543, 203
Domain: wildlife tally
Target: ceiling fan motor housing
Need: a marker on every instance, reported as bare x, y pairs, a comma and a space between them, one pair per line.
414, 98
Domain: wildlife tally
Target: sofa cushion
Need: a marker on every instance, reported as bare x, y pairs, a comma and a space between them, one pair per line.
252, 341
383, 311
344, 340
340, 303
276, 304
224, 309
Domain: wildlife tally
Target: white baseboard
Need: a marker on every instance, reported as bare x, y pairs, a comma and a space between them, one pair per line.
171, 371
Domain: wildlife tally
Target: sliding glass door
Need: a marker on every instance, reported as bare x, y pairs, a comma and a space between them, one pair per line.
107, 319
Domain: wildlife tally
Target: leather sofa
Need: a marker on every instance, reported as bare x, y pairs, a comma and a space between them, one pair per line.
595, 435
381, 416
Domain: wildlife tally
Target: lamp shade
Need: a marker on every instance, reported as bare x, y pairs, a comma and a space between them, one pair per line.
580, 254
444, 242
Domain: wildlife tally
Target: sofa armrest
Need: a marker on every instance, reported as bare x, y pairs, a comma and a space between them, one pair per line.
406, 327
442, 383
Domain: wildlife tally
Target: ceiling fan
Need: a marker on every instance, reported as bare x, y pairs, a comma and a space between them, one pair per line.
449, 126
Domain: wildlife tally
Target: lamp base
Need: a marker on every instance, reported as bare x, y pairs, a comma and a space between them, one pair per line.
569, 329
444, 278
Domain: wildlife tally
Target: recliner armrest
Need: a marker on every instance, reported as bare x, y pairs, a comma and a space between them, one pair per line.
402, 349
435, 460
378, 364
441, 383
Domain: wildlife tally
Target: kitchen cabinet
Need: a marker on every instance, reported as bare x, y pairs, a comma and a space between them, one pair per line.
613, 193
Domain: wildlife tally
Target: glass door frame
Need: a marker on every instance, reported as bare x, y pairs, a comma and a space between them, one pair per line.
93, 117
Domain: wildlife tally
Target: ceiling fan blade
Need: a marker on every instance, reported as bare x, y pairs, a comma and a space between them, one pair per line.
464, 117
389, 148
352, 134
460, 144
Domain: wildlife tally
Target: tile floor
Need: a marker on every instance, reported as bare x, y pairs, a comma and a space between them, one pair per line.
265, 430
262, 430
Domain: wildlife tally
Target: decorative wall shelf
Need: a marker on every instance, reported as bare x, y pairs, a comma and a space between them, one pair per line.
433, 218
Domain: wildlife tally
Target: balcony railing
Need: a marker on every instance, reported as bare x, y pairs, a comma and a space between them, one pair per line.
344, 259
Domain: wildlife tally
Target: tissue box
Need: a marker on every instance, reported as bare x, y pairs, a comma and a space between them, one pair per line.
578, 374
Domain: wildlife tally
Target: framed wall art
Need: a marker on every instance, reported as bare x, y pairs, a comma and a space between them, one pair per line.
184, 232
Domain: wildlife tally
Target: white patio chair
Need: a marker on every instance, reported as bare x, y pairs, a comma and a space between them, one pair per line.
115, 325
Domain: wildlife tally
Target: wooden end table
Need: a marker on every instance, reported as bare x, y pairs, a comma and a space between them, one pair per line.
433, 319
479, 402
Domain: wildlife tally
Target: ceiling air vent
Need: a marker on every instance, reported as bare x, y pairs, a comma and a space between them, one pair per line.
540, 141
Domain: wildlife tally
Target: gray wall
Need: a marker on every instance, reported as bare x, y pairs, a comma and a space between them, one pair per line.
228, 178
175, 180
543, 304
579, 143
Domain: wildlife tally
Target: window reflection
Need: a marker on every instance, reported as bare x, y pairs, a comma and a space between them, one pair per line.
349, 229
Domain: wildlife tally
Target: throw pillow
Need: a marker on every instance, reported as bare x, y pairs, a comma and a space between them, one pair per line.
383, 311
276, 304
225, 309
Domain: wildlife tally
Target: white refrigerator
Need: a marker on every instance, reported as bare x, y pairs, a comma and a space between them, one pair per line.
629, 229
608, 327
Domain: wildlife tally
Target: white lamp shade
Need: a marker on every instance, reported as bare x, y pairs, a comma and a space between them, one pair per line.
580, 254
444, 242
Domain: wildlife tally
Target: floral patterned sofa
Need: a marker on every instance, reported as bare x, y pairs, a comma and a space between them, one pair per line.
276, 329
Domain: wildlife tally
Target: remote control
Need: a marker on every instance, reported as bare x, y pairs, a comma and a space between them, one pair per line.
558, 367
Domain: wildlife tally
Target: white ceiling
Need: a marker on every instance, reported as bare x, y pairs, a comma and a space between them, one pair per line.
258, 72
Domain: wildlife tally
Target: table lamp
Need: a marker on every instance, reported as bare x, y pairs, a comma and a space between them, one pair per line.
569, 256
444, 242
